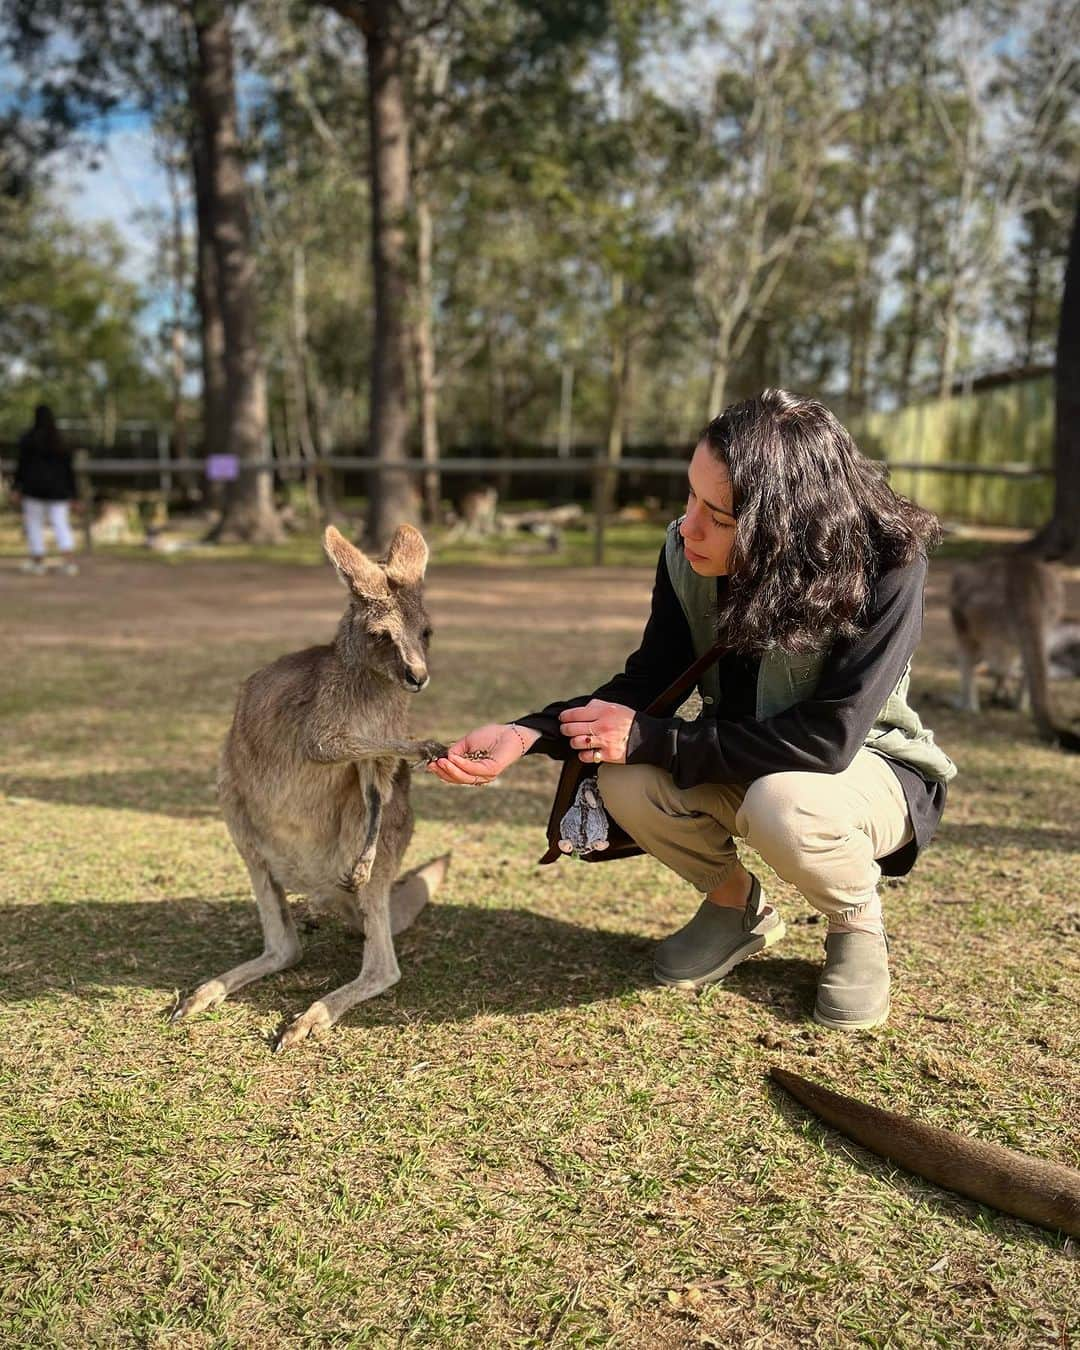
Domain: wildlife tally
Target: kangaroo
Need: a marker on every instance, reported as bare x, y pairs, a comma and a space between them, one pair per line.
1010, 604
1042, 1192
314, 780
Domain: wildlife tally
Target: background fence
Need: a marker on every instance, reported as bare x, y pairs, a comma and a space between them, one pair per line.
982, 457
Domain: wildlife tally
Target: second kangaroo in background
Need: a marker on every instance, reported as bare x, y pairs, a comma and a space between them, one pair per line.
1008, 605
314, 780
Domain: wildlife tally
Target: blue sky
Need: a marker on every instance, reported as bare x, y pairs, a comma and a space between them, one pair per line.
128, 184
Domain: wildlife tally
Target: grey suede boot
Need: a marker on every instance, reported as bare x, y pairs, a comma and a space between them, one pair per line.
715, 940
853, 991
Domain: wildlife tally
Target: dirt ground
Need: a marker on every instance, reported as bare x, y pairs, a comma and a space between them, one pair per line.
148, 606
144, 606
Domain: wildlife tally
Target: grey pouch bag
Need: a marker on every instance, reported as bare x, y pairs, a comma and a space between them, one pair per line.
584, 827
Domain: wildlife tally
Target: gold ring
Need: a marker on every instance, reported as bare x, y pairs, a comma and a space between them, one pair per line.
597, 757
588, 741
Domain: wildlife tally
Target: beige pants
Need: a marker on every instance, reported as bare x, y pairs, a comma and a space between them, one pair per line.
820, 832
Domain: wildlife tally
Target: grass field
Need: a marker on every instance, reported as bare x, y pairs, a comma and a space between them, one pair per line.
524, 1143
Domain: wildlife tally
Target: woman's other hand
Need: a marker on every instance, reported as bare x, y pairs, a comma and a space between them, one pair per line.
483, 754
598, 730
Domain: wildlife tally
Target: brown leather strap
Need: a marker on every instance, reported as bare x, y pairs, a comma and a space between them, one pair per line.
679, 686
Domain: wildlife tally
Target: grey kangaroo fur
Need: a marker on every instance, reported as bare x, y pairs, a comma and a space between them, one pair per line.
314, 780
1007, 603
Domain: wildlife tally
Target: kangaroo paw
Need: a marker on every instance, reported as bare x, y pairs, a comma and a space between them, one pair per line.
358, 875
206, 996
429, 751
315, 1022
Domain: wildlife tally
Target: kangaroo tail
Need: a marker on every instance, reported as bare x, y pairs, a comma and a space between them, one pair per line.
412, 890
1046, 1193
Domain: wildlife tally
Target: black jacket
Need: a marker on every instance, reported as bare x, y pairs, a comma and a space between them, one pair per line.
821, 735
42, 473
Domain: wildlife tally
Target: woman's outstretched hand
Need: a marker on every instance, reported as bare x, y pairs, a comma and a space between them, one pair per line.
598, 730
483, 754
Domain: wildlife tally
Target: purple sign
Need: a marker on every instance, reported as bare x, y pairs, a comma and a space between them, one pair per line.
222, 468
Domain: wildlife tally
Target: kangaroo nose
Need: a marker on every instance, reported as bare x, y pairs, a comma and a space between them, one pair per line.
414, 683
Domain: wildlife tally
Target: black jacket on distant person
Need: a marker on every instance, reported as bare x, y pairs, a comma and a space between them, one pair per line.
43, 473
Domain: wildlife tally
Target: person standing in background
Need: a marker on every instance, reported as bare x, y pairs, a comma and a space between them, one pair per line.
45, 484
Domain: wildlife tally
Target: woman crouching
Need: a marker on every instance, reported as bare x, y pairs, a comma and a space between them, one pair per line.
799, 556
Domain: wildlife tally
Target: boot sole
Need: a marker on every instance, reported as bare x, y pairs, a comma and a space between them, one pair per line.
864, 1025
755, 945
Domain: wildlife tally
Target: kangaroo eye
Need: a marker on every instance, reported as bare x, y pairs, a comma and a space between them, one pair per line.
428, 634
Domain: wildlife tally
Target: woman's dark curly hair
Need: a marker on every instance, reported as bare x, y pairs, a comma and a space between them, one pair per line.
817, 524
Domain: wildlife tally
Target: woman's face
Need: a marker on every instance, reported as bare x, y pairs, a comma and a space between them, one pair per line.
708, 528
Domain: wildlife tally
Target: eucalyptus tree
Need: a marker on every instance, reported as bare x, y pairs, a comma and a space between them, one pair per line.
1038, 101
998, 134
773, 120
70, 330
249, 508
384, 28
172, 59
1061, 536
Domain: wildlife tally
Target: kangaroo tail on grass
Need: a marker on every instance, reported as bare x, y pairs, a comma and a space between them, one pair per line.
1046, 1193
413, 889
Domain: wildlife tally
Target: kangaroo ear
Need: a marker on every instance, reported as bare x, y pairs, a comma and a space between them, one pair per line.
407, 558
363, 577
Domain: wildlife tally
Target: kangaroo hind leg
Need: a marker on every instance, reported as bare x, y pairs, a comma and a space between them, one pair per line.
378, 972
281, 946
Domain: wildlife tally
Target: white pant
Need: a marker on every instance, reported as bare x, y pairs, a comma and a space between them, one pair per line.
34, 513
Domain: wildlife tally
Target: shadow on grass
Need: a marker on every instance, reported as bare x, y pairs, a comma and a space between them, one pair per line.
185, 794
182, 793
785, 987
992, 837
457, 962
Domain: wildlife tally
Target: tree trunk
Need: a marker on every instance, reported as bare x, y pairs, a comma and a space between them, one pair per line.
425, 356
859, 318
249, 509
719, 368
914, 322
298, 340
392, 495
177, 346
1034, 251
211, 326
950, 334
1061, 537
604, 489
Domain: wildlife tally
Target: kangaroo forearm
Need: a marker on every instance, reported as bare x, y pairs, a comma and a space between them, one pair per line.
343, 748
375, 810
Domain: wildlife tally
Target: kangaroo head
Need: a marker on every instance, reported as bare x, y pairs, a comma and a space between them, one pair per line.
385, 628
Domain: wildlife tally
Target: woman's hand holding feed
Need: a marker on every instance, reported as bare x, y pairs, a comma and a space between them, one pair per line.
483, 754
598, 730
